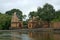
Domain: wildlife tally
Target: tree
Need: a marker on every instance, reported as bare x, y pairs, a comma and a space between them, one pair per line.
57, 16
5, 21
18, 12
39, 12
24, 16
33, 13
47, 13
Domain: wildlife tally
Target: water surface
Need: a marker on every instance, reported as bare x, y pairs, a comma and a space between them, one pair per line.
14, 35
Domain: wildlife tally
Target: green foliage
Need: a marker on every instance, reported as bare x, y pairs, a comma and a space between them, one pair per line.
4, 21
25, 23
18, 12
46, 13
24, 16
31, 14
57, 16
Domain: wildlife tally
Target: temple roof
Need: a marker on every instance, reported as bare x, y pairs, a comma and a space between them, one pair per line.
14, 18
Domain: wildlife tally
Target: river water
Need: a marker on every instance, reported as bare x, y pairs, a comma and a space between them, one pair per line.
15, 35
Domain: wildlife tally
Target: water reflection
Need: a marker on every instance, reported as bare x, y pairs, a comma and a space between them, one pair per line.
56, 36
29, 36
15, 36
40, 35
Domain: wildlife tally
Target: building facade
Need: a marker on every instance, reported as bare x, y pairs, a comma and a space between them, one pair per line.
15, 23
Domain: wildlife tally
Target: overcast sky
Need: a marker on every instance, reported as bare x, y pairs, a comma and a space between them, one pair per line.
26, 5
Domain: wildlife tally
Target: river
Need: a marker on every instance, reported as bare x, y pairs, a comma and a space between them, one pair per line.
15, 35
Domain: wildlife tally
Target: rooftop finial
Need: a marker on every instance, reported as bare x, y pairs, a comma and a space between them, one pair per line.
14, 13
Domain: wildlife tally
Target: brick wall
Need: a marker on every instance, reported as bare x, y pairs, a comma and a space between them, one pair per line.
56, 24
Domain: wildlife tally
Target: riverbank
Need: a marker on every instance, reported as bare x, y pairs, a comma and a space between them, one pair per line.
34, 30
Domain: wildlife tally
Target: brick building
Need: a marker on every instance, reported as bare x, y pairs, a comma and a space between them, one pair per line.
15, 23
33, 23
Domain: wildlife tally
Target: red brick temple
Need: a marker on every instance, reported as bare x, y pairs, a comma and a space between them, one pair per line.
15, 23
32, 23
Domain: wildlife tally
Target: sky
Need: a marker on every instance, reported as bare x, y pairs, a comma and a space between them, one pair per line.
26, 5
